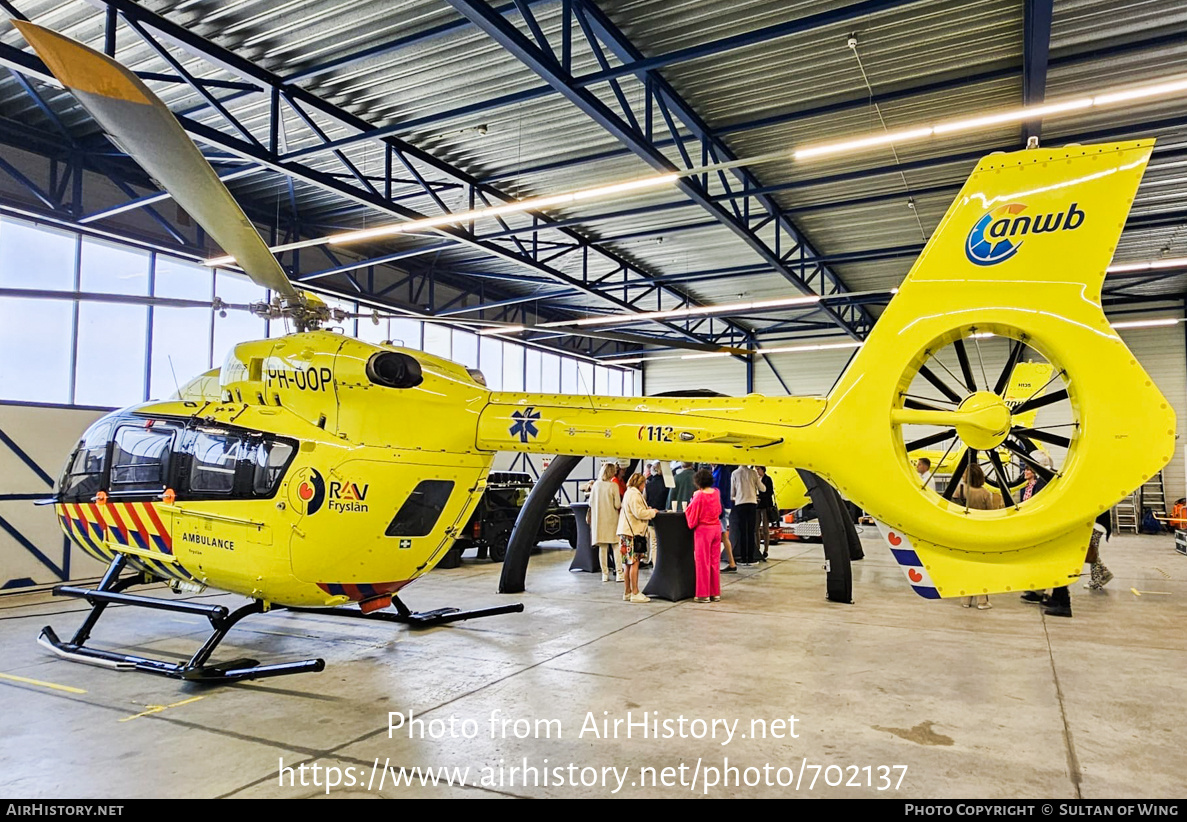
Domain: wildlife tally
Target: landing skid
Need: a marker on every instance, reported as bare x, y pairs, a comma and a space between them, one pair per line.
417, 619
199, 669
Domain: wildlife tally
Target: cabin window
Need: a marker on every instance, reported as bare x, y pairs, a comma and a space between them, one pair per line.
421, 510
215, 456
227, 463
140, 457
269, 459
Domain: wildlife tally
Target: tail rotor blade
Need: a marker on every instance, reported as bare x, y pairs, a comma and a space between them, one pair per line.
1042, 402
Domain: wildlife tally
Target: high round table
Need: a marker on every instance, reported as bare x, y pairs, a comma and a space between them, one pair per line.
674, 576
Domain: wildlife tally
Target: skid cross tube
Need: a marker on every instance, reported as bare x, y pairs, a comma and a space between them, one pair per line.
196, 669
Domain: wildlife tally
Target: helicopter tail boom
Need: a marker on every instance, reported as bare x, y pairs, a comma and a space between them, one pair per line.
1021, 256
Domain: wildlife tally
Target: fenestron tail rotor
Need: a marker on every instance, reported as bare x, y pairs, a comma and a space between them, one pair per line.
143, 126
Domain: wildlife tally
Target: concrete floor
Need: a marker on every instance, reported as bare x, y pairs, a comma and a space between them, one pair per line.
1001, 703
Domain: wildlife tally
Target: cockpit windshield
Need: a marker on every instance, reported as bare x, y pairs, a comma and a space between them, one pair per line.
134, 456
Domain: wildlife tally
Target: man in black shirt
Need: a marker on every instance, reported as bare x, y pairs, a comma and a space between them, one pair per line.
656, 494
656, 489
766, 508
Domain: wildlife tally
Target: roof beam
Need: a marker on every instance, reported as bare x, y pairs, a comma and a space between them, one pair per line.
390, 47
845, 14
662, 98
153, 24
932, 86
1036, 43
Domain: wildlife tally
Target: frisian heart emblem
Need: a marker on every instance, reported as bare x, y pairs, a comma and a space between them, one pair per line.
914, 575
894, 539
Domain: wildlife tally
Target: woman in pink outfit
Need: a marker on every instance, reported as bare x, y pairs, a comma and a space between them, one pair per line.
704, 518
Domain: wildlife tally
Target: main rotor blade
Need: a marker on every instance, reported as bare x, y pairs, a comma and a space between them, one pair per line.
143, 126
1039, 402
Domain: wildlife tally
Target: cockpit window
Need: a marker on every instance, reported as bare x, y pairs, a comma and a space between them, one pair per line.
198, 460
83, 476
140, 458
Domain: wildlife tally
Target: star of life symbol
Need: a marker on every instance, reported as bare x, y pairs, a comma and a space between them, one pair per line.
525, 424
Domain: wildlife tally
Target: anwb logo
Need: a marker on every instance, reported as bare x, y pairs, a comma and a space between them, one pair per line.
998, 235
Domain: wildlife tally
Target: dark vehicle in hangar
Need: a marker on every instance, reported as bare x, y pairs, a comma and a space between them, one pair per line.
489, 528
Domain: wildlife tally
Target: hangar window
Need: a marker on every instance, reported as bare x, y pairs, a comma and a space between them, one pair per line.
140, 458
36, 256
421, 510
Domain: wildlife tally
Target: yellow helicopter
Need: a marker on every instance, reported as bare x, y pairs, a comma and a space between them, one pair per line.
293, 476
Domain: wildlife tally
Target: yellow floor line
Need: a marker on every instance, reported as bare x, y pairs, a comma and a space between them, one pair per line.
156, 709
41, 684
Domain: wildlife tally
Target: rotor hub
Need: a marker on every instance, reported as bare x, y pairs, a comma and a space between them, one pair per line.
983, 420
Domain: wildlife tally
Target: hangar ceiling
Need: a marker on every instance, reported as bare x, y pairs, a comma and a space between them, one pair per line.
325, 116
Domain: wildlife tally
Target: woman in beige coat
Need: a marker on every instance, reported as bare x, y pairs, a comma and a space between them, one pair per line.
632, 536
604, 504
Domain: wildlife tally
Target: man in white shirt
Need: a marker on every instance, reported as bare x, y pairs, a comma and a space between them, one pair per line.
926, 477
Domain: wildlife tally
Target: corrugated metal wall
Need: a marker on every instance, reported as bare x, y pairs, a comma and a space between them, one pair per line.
1162, 352
725, 375
804, 374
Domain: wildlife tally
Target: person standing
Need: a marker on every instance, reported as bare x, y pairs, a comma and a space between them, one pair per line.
767, 512
682, 487
744, 487
656, 488
1059, 604
655, 491
721, 481
1101, 576
926, 478
1034, 484
604, 505
620, 476
972, 491
704, 518
976, 496
632, 536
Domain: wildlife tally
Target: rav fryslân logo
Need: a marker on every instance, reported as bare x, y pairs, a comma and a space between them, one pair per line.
308, 494
307, 491
347, 497
998, 235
